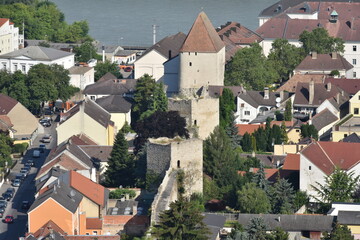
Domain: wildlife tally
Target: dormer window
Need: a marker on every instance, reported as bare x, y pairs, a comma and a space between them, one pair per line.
334, 16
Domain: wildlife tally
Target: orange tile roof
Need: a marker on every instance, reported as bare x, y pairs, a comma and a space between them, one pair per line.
290, 85
116, 219
249, 128
88, 188
93, 223
92, 237
45, 230
202, 37
269, 172
328, 155
3, 21
81, 139
292, 162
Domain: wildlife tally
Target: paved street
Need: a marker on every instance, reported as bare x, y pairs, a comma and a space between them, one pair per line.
25, 191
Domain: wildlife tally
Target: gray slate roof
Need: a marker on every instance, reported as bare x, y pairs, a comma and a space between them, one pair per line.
124, 53
349, 217
37, 53
64, 195
354, 138
214, 223
256, 98
171, 43
323, 118
97, 153
316, 223
111, 87
79, 70
216, 91
115, 104
108, 49
54, 172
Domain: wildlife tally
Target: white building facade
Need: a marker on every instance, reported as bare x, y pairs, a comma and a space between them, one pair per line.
9, 36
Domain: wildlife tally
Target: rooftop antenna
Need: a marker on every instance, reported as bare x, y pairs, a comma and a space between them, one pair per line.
154, 26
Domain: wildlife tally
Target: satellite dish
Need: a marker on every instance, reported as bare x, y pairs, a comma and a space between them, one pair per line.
277, 104
278, 99
72, 193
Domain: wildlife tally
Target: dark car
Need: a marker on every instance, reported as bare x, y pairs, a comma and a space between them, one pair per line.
6, 196
2, 210
42, 147
3, 203
128, 69
11, 191
25, 205
30, 162
9, 219
1, 214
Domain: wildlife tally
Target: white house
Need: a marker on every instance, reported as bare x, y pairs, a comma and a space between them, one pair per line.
319, 160
81, 77
151, 61
338, 18
125, 56
9, 36
23, 59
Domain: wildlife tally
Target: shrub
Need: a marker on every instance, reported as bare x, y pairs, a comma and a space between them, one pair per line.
119, 193
20, 147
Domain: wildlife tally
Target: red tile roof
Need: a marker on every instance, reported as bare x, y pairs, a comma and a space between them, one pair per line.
88, 188
350, 86
3, 21
328, 155
292, 162
202, 37
6, 104
92, 237
81, 139
93, 223
284, 27
249, 128
269, 172
290, 85
46, 229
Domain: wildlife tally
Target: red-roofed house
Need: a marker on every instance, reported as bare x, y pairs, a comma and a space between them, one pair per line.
9, 37
319, 160
292, 162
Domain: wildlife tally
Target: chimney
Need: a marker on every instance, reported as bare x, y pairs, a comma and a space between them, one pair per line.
313, 55
328, 86
311, 91
266, 93
169, 54
333, 55
310, 120
282, 95
338, 98
103, 53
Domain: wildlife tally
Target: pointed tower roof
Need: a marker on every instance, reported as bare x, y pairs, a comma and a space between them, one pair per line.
202, 37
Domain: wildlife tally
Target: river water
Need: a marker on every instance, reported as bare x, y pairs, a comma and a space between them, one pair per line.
129, 22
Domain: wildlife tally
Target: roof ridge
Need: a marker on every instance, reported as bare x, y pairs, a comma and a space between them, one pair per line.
318, 143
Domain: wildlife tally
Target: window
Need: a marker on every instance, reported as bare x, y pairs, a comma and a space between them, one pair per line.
95, 233
354, 61
195, 53
354, 48
297, 130
92, 98
310, 168
247, 112
359, 97
23, 68
15, 67
178, 164
356, 110
354, 74
195, 122
190, 64
4, 65
242, 105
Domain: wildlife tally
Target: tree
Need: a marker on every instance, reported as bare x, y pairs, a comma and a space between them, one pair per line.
250, 68
233, 132
246, 142
85, 52
227, 107
288, 111
6, 144
257, 229
120, 165
308, 130
102, 68
282, 197
160, 124
301, 198
260, 180
285, 57
252, 199
318, 40
284, 136
338, 187
181, 221
149, 97
339, 232
279, 234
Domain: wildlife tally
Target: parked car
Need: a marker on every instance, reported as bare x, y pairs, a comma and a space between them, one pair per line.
6, 196
9, 219
26, 168
24, 173
42, 147
2, 209
25, 205
30, 163
16, 183
11, 191
46, 138
3, 203
128, 69
46, 124
1, 214
36, 154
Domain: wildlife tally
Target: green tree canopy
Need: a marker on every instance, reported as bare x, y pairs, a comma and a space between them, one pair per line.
250, 68
318, 40
309, 130
288, 111
285, 57
227, 108
102, 68
338, 187
252, 199
282, 197
6, 145
85, 52
120, 170
339, 232
257, 229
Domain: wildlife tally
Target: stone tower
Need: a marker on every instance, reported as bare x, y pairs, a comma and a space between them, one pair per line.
202, 58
